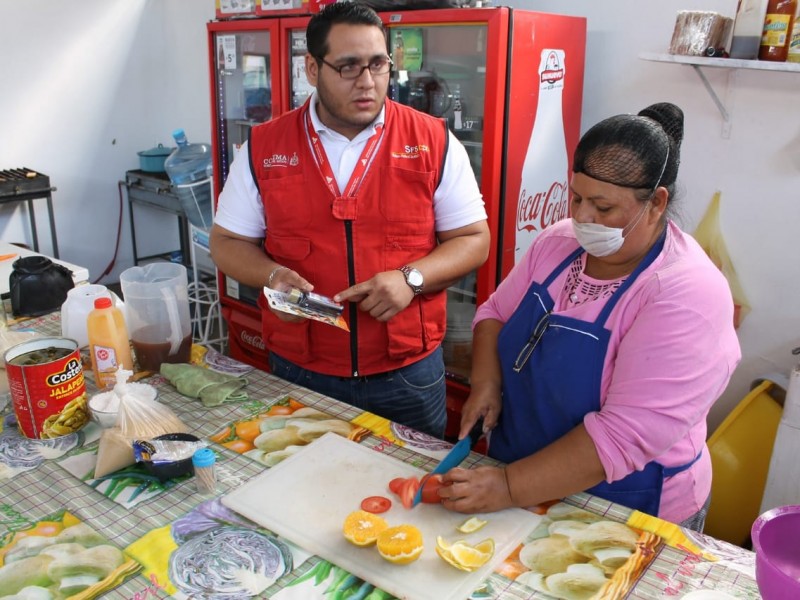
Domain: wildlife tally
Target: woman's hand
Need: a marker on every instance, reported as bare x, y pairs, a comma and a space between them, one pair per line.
479, 490
484, 401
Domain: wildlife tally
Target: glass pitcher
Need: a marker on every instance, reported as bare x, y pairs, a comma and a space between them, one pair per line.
157, 313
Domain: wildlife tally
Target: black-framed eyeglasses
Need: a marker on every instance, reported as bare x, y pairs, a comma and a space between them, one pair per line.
532, 342
380, 65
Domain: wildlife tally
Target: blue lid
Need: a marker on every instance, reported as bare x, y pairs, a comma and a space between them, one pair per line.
204, 457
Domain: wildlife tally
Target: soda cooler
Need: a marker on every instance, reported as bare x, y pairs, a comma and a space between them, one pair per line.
509, 83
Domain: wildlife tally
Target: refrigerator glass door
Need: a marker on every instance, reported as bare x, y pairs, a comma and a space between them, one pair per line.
440, 69
299, 88
243, 78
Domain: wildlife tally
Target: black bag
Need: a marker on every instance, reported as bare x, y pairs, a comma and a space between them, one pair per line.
38, 286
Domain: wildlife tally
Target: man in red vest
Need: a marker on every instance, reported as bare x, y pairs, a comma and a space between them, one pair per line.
365, 200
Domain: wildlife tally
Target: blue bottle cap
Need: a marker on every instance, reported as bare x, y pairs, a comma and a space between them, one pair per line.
204, 457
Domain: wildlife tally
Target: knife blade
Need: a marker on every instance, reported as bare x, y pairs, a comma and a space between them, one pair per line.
453, 458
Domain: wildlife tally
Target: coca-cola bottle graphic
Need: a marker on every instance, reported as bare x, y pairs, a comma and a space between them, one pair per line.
543, 190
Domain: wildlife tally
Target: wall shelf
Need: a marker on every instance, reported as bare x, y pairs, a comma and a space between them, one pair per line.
699, 62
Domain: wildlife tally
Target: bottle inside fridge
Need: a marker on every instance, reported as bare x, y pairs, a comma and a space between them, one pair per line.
301, 89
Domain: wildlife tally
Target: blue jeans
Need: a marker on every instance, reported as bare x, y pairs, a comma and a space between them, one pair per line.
413, 396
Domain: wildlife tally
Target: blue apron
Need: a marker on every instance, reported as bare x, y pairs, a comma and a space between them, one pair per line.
560, 382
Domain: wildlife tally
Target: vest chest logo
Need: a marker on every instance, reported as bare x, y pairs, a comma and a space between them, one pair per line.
280, 161
409, 151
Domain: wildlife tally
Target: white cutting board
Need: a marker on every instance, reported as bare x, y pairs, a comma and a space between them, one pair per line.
306, 498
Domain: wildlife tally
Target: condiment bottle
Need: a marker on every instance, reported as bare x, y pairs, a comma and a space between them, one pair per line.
109, 346
777, 30
794, 43
204, 473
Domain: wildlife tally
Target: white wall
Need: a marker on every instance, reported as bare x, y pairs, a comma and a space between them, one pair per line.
85, 87
91, 83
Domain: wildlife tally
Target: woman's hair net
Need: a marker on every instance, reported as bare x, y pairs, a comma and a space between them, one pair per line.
634, 151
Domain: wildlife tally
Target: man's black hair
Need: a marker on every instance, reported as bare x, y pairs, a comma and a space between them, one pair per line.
350, 13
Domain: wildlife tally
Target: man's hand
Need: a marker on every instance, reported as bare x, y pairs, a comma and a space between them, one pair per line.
383, 296
283, 280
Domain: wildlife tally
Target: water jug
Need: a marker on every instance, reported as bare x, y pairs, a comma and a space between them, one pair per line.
189, 169
78, 305
157, 312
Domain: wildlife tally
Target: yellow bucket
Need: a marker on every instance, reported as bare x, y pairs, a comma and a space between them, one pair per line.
741, 448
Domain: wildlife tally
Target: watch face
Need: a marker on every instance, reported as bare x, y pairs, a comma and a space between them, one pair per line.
414, 277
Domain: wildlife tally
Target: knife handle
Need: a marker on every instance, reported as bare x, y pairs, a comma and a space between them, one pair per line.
476, 432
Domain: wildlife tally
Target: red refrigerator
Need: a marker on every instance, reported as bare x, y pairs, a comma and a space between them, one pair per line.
510, 84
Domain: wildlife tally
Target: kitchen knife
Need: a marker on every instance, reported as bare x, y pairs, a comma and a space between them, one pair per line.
455, 457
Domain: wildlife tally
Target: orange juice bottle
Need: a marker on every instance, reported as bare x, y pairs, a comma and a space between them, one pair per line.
109, 345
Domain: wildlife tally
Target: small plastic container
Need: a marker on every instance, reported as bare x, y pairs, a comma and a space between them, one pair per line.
109, 345
204, 461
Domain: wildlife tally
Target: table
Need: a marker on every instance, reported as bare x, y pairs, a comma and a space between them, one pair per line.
686, 561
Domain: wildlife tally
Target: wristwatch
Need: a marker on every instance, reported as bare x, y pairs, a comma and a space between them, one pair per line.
413, 278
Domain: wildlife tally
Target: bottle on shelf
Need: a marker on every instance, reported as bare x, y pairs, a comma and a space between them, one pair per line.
109, 345
747, 29
398, 52
794, 44
189, 168
458, 108
777, 30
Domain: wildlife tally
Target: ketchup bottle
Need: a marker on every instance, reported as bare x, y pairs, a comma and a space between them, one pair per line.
777, 30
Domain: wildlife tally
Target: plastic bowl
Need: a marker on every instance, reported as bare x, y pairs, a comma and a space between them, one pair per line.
105, 417
104, 407
171, 470
775, 541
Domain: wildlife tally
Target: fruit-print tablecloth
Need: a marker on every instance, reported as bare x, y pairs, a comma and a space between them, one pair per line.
134, 537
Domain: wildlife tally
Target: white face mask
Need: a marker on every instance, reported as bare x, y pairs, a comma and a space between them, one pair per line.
599, 240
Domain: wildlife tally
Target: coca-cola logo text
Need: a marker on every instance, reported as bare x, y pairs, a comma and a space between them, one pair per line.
537, 211
252, 339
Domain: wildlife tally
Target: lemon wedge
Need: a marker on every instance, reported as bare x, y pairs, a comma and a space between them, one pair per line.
471, 525
464, 556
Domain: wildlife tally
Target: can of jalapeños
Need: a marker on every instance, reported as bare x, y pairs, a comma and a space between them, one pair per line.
48, 390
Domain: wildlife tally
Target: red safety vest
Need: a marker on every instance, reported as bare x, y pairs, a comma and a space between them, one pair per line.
389, 224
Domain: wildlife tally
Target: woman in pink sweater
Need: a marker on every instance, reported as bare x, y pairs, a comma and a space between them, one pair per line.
596, 361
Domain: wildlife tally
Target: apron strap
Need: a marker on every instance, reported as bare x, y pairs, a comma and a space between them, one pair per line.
652, 254
670, 471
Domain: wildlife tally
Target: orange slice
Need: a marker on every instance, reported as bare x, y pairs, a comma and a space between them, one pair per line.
362, 528
400, 545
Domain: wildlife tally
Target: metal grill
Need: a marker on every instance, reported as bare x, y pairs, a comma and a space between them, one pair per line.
14, 182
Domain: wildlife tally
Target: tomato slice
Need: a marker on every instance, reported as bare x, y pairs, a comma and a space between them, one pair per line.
396, 484
430, 489
408, 491
376, 504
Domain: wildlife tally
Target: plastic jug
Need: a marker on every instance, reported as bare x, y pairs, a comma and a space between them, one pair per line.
157, 309
78, 305
189, 169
